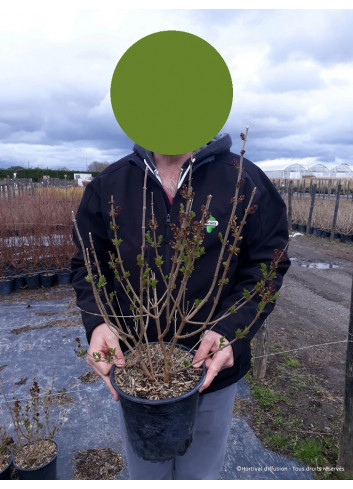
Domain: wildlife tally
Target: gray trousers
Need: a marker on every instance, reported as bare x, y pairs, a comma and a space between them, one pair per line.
205, 456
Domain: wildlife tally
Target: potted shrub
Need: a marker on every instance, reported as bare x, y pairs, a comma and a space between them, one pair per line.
302, 227
47, 273
62, 248
32, 257
345, 226
158, 376
6, 280
5, 455
34, 448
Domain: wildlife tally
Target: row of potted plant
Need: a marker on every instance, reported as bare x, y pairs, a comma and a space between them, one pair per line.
34, 280
323, 217
322, 233
36, 242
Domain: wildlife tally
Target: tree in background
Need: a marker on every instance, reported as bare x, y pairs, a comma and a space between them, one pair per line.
97, 166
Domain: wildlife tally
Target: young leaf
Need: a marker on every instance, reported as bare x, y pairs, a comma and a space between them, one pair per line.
101, 282
246, 294
264, 269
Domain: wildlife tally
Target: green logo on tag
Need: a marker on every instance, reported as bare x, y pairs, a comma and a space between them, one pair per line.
211, 224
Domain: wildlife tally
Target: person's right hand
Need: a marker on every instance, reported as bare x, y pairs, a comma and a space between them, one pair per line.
102, 340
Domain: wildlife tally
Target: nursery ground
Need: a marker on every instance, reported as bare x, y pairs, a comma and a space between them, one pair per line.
300, 399
298, 406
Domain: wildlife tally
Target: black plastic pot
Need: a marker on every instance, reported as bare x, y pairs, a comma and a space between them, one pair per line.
346, 238
302, 228
159, 430
44, 472
47, 279
5, 474
7, 286
33, 281
64, 277
20, 283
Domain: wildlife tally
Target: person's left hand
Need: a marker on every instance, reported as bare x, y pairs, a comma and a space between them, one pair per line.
220, 360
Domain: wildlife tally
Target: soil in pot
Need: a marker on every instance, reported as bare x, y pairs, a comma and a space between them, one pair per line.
159, 417
37, 461
5, 465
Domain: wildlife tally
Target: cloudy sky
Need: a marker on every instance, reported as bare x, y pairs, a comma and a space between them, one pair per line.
292, 74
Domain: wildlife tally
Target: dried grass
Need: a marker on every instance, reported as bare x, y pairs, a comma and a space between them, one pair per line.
323, 213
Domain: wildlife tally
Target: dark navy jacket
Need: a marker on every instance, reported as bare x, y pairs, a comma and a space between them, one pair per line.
213, 173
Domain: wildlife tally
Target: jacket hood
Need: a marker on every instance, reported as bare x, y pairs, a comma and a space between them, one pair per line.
219, 144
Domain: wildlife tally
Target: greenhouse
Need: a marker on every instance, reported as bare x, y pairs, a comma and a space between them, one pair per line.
319, 171
294, 171
342, 171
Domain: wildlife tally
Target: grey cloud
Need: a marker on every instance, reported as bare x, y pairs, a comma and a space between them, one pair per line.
291, 76
317, 34
63, 117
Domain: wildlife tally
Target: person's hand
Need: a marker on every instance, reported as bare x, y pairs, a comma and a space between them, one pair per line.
102, 340
220, 360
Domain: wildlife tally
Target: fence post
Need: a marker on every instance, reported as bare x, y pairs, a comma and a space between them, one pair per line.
335, 213
313, 194
261, 351
289, 210
345, 458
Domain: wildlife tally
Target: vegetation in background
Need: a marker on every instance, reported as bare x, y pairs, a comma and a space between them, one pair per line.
285, 414
36, 230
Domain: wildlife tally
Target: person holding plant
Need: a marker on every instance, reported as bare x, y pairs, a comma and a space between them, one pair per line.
212, 170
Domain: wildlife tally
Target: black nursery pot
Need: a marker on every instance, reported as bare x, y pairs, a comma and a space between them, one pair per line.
47, 279
159, 430
64, 277
346, 238
33, 281
7, 286
20, 282
317, 232
5, 474
44, 472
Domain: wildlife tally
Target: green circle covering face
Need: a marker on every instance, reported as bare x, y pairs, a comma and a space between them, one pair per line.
171, 92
